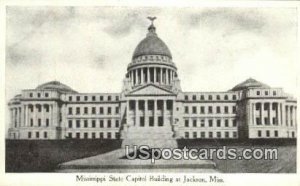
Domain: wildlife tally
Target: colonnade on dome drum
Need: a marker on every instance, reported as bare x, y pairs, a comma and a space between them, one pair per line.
156, 69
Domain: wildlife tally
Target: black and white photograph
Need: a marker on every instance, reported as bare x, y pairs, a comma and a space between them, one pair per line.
196, 92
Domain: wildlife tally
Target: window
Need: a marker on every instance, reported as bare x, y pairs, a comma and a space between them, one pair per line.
226, 122
234, 123
46, 95
142, 121
226, 97
210, 123
109, 123
194, 97
108, 135
202, 134
259, 133
186, 97
218, 134
94, 98
186, 109
47, 122
218, 123
117, 124
268, 133
77, 98
202, 123
218, 97
117, 110
117, 98
108, 98
266, 121
70, 123
186, 134
101, 98
37, 134
85, 123
85, 110
77, 123
93, 110
293, 134
70, 110
276, 133
194, 123
218, 109
233, 97
86, 135
194, 110
226, 134
233, 109
194, 134
45, 135
94, 123
210, 109
31, 95
31, 122
202, 109
266, 93
160, 121
266, 105
29, 134
151, 121
186, 123
39, 95
210, 97
257, 106
202, 97
101, 110
108, 110
274, 121
258, 121
77, 135
101, 124
101, 135
226, 110
210, 134
85, 98
39, 122
234, 134
70, 135
70, 98
77, 110
257, 93
93, 135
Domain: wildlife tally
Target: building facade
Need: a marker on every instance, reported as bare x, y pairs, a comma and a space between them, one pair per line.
152, 105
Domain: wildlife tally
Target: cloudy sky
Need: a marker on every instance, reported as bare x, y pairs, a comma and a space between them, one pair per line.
89, 48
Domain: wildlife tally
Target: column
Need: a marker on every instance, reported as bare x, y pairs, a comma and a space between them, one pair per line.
250, 114
148, 75
270, 113
146, 114
51, 115
136, 78
167, 77
127, 113
43, 117
161, 76
261, 113
26, 115
291, 116
154, 113
142, 76
287, 115
136, 112
253, 114
295, 116
154, 74
22, 116
164, 112
279, 114
11, 118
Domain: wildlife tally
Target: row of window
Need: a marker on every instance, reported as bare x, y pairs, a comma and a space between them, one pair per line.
267, 133
274, 121
93, 123
94, 135
93, 98
266, 93
39, 122
209, 109
37, 135
210, 123
93, 110
46, 94
210, 97
217, 134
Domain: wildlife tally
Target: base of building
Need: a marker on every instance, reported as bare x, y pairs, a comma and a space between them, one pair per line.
114, 161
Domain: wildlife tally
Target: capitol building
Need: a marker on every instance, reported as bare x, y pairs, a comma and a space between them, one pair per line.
152, 106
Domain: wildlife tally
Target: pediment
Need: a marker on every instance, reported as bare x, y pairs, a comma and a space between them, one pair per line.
151, 90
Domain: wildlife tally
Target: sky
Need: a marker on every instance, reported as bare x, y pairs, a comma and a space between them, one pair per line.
89, 48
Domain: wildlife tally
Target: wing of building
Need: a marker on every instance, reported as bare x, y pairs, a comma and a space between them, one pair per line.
153, 106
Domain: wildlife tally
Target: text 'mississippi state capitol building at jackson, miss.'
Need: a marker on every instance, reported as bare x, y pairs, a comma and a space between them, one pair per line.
152, 106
